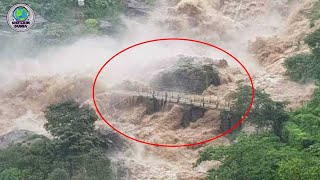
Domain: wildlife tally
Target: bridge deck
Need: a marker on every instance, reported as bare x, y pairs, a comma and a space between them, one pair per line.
175, 97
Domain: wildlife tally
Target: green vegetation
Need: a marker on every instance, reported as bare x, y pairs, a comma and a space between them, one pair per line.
188, 76
54, 33
265, 113
315, 13
92, 26
74, 152
66, 20
304, 67
59, 174
11, 174
64, 10
313, 41
106, 9
295, 155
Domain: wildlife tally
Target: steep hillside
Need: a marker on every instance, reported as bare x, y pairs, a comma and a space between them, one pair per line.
271, 53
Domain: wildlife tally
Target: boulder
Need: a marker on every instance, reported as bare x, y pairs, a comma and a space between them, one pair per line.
136, 8
114, 140
106, 26
189, 74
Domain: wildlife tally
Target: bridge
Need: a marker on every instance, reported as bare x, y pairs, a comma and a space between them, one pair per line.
172, 96
175, 97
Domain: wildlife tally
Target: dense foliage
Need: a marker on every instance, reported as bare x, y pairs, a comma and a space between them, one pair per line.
66, 21
304, 67
293, 156
75, 152
265, 113
187, 76
313, 41
314, 15
64, 10
107, 9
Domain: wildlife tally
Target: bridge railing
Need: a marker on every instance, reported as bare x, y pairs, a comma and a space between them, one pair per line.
177, 96
207, 101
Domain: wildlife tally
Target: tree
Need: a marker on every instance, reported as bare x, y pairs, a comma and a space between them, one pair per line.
97, 165
294, 156
75, 149
313, 41
70, 116
250, 158
73, 128
299, 168
314, 15
265, 112
11, 174
303, 67
32, 158
261, 156
303, 131
58, 174
103, 9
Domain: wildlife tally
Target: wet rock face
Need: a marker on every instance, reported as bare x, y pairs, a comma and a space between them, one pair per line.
14, 137
191, 114
187, 75
136, 8
106, 27
113, 139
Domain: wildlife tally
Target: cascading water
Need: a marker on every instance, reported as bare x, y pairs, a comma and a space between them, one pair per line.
30, 84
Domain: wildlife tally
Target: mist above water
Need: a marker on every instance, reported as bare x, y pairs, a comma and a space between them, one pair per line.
228, 30
52, 74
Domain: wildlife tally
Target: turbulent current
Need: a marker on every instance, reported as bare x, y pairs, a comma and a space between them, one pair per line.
67, 72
